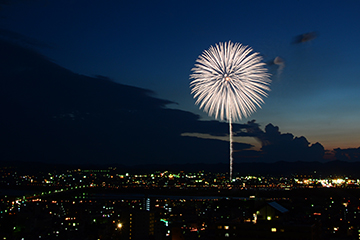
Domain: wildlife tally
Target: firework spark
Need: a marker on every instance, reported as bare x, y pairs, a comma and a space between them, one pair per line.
229, 81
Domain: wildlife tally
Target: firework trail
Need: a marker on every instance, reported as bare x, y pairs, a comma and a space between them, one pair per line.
229, 81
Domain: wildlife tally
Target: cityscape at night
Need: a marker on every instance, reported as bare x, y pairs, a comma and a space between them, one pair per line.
107, 203
179, 120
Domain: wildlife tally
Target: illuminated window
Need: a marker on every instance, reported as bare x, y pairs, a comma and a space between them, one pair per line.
227, 235
273, 229
226, 227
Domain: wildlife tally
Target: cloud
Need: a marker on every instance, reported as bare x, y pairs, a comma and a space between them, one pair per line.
348, 154
277, 146
278, 64
305, 37
51, 114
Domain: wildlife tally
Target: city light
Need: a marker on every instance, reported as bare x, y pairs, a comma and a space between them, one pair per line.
222, 206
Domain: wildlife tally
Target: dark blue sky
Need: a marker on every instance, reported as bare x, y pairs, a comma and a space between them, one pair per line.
154, 45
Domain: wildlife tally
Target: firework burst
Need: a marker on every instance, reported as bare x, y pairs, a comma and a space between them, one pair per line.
229, 82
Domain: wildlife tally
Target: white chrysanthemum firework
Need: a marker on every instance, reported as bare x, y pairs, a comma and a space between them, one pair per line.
229, 81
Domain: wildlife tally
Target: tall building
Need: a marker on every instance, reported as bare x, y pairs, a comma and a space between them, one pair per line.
138, 225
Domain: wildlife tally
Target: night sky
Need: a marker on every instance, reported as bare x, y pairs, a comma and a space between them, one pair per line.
108, 81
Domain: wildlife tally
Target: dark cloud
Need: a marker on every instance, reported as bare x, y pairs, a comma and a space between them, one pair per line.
246, 155
51, 114
348, 154
216, 128
277, 146
305, 37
